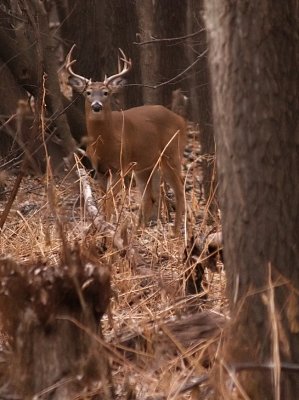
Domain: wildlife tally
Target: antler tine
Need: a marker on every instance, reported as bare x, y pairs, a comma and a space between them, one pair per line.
126, 68
68, 65
118, 65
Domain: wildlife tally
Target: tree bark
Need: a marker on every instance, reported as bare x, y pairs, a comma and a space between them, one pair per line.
253, 59
201, 102
99, 28
47, 57
20, 64
170, 24
123, 26
28, 51
86, 27
150, 52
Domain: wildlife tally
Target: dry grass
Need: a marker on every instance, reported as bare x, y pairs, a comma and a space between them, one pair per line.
149, 288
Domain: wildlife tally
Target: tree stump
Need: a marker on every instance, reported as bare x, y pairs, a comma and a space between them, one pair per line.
51, 315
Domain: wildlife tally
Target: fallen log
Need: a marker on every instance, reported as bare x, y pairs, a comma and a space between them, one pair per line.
195, 332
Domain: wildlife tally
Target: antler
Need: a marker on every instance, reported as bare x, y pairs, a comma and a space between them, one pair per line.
69, 63
126, 68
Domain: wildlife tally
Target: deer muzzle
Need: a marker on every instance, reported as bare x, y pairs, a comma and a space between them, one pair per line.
96, 106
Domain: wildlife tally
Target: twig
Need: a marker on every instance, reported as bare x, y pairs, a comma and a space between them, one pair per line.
292, 367
13, 194
175, 77
7, 121
173, 39
193, 382
276, 372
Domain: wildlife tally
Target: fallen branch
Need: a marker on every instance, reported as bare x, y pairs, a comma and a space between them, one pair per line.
106, 228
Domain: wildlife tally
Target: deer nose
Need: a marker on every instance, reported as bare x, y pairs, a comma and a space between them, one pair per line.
96, 106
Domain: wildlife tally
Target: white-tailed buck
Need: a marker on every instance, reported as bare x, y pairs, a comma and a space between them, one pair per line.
150, 138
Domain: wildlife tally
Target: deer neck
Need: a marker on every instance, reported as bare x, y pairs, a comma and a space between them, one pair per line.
104, 143
100, 124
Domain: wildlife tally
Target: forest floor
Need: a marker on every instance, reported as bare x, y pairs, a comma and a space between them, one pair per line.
168, 337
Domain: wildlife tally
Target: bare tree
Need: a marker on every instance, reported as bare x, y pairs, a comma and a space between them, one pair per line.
253, 56
149, 53
123, 26
200, 95
29, 57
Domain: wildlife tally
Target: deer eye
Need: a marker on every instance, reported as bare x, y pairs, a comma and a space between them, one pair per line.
88, 93
105, 92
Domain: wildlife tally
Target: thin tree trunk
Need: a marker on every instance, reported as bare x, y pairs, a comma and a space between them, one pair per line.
149, 53
122, 26
87, 28
201, 103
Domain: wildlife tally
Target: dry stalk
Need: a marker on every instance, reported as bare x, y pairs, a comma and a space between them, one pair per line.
275, 336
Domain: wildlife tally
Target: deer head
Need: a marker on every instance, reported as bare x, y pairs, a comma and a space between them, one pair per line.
97, 94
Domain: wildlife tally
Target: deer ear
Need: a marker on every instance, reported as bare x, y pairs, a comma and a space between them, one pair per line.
117, 85
77, 84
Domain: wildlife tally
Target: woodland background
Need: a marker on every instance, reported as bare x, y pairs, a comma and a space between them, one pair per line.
238, 64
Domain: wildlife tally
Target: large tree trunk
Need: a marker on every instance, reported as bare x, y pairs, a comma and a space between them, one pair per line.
17, 50
28, 52
253, 60
47, 60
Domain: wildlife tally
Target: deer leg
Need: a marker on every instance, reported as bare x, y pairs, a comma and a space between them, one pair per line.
102, 182
155, 188
172, 175
144, 184
114, 186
